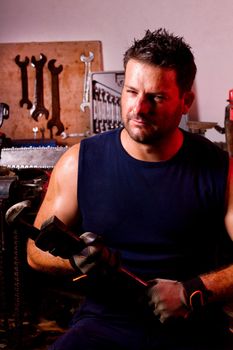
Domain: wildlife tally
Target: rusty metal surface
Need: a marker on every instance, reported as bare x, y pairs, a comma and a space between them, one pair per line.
31, 157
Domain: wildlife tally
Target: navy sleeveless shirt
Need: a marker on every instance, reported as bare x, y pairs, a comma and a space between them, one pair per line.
165, 218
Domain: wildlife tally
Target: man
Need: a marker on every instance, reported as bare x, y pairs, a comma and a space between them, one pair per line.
161, 199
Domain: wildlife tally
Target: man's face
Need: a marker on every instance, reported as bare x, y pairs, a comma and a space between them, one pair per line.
151, 102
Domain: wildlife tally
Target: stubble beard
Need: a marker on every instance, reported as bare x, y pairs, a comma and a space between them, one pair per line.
147, 133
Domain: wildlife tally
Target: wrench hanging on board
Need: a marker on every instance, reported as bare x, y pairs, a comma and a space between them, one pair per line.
86, 85
55, 120
24, 80
38, 108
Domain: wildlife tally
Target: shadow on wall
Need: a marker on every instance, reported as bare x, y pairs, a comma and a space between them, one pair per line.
192, 115
194, 110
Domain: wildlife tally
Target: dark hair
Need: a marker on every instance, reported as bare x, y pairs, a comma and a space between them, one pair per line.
164, 49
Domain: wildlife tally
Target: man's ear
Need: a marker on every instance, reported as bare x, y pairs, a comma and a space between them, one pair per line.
188, 99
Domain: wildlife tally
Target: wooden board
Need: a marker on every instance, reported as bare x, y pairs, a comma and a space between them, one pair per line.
20, 123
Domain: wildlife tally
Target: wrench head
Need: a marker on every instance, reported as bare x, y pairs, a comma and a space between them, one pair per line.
54, 70
40, 62
15, 210
38, 112
59, 125
84, 105
63, 135
84, 58
23, 102
21, 63
60, 129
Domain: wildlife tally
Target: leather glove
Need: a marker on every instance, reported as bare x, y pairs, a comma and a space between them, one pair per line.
95, 257
167, 299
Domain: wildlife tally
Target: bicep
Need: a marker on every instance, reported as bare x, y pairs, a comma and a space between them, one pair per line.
61, 196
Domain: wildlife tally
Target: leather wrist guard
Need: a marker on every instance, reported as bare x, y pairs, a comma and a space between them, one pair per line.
196, 293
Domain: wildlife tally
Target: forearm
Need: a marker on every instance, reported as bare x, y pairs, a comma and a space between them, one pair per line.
220, 283
46, 262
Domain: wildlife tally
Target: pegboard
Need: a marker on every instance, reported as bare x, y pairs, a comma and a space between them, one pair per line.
20, 123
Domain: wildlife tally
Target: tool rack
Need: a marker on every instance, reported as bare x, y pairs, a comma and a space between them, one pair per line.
105, 94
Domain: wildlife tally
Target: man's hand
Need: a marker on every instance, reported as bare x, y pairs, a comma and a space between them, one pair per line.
96, 257
167, 299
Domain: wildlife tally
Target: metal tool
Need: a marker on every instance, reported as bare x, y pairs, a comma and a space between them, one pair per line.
55, 237
14, 219
4, 112
35, 130
65, 135
55, 120
38, 109
105, 95
96, 110
86, 86
31, 157
14, 216
24, 80
42, 130
102, 110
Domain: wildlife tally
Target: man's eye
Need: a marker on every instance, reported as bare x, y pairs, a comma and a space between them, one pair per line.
159, 98
129, 91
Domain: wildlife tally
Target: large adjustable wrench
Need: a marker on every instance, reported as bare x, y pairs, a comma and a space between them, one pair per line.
56, 238
24, 80
55, 120
86, 85
38, 108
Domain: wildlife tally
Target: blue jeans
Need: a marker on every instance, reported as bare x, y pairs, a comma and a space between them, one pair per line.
119, 327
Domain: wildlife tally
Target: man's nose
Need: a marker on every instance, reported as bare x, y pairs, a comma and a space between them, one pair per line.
142, 106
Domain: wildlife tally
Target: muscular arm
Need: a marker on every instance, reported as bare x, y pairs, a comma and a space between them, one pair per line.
221, 282
60, 200
168, 298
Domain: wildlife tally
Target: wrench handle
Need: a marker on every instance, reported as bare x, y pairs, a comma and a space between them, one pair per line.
133, 276
86, 83
121, 270
38, 108
55, 120
24, 82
